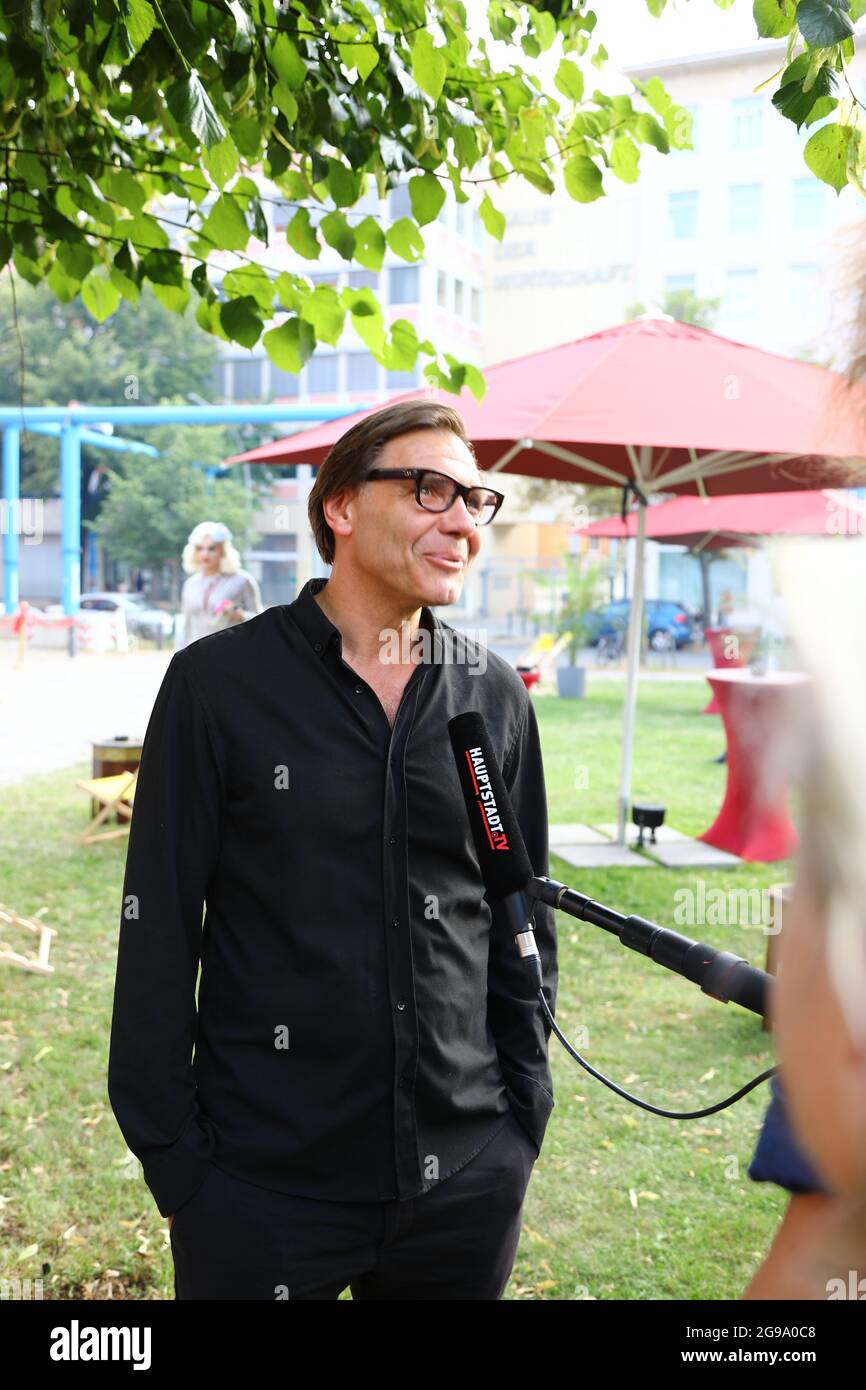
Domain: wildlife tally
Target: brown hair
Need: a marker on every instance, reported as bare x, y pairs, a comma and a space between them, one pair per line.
348, 461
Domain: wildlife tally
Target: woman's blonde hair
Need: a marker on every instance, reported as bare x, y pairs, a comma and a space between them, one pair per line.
230, 561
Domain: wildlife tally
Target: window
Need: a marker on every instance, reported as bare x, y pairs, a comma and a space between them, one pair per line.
247, 378
442, 289
364, 280
741, 288
284, 383
322, 373
476, 229
458, 298
402, 380
398, 202
683, 213
476, 305
804, 276
744, 207
807, 203
747, 117
403, 283
362, 372
326, 277
679, 282
218, 378
282, 212
463, 214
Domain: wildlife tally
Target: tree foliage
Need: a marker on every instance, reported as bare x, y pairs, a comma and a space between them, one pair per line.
116, 112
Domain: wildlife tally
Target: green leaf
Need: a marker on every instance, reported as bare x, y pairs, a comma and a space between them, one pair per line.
492, 219
654, 93
225, 225
369, 244
221, 161
326, 312
402, 350
122, 187
624, 159
405, 240
286, 101
240, 320
302, 237
337, 233
426, 195
76, 258
342, 184
290, 345
774, 18
364, 57
287, 62
367, 318
569, 80
99, 296
140, 21
192, 108
250, 280
824, 22
650, 132
583, 179
475, 381
428, 65
63, 286
173, 297
826, 154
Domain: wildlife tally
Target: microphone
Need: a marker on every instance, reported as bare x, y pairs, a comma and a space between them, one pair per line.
505, 866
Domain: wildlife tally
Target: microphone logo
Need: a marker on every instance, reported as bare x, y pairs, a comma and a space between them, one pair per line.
485, 800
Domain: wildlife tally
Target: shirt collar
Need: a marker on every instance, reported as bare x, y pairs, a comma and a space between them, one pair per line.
318, 629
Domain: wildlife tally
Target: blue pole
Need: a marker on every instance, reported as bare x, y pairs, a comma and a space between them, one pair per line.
70, 492
11, 508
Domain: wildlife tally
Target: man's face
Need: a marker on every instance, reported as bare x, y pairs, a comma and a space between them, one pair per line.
421, 555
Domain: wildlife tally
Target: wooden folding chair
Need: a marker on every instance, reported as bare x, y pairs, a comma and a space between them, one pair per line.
38, 965
115, 794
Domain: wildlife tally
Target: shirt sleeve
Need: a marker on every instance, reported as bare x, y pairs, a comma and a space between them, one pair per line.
250, 598
173, 849
778, 1157
519, 1026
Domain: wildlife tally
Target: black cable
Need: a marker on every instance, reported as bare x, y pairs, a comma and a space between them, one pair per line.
645, 1105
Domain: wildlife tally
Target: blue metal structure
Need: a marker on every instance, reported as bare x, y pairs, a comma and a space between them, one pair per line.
70, 422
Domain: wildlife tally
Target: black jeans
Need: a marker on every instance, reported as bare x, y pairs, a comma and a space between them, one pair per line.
234, 1240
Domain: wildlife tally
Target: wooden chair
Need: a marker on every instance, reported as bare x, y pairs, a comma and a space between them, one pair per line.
38, 965
115, 795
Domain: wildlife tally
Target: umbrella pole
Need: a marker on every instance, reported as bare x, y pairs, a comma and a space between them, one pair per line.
635, 628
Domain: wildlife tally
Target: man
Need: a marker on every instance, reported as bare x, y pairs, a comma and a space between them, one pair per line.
370, 1086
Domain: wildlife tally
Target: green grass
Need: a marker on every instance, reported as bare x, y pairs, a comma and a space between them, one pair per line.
699, 1226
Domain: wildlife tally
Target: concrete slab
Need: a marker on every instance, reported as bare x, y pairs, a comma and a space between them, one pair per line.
575, 835
664, 835
603, 856
691, 854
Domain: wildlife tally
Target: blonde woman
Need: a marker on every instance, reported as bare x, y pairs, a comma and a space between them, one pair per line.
218, 592
819, 1008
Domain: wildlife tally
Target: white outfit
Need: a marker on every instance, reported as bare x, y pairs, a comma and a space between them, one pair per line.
200, 595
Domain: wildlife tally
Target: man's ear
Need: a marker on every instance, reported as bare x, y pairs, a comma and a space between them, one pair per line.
339, 511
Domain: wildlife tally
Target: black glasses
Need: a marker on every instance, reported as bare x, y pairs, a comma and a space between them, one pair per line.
436, 492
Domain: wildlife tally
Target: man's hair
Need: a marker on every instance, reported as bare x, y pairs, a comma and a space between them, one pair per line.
355, 452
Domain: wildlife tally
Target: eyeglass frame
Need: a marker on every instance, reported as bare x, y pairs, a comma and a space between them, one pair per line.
460, 489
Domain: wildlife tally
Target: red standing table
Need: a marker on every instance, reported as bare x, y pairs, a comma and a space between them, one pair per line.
723, 655
754, 822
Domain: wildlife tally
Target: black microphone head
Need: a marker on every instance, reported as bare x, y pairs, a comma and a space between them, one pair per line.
505, 864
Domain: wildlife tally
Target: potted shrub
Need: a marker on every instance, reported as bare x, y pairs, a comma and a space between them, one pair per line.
584, 589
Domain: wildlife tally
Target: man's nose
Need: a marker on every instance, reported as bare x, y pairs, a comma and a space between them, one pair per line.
459, 518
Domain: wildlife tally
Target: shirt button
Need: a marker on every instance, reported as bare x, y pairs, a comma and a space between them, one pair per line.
359, 689
317, 647
401, 1005
395, 921
392, 839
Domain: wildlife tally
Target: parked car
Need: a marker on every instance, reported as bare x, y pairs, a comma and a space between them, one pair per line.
142, 619
670, 624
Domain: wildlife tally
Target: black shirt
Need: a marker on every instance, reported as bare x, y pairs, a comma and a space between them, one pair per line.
364, 1022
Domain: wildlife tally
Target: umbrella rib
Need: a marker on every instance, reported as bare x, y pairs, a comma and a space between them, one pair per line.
568, 456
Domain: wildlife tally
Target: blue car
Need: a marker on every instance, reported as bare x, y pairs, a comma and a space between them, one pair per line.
670, 624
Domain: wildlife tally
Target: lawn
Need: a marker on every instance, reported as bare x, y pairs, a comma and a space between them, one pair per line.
622, 1204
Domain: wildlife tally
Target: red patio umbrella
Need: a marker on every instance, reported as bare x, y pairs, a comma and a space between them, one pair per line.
656, 406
